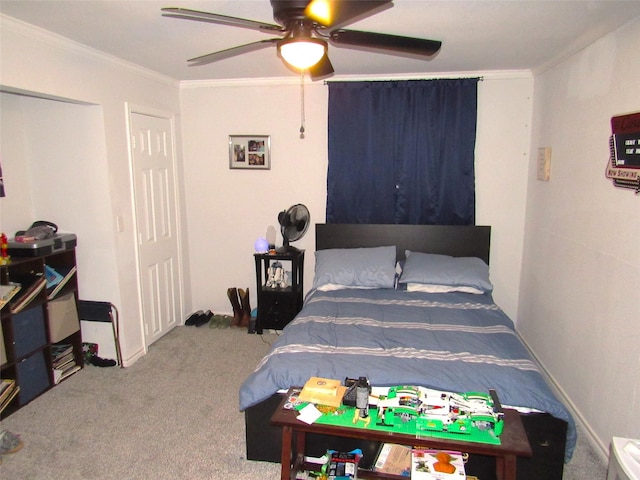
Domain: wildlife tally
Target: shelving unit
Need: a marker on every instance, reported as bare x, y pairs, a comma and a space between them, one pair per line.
278, 306
30, 336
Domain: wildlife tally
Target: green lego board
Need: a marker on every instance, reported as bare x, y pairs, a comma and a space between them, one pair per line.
343, 417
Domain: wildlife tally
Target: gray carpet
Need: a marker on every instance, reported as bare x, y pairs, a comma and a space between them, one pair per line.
172, 415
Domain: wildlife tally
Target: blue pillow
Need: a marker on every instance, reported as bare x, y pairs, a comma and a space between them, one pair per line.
373, 267
443, 270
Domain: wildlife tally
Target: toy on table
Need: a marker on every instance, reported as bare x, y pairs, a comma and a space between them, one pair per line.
438, 411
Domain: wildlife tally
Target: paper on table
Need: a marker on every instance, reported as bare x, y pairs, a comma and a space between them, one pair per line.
309, 414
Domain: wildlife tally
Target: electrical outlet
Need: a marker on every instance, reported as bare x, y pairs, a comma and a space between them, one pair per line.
544, 163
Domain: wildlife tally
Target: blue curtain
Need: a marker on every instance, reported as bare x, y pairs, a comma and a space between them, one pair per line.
402, 152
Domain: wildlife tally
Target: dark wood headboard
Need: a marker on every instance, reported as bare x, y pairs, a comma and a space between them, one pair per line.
454, 240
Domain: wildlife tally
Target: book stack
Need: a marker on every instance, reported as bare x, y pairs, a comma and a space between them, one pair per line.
7, 292
429, 464
64, 363
31, 286
8, 391
57, 278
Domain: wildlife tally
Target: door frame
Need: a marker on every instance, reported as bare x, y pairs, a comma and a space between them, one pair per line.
130, 109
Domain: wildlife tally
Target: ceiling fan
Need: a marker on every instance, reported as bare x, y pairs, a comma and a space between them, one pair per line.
305, 27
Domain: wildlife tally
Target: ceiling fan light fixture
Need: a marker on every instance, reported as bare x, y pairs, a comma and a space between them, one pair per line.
321, 11
302, 53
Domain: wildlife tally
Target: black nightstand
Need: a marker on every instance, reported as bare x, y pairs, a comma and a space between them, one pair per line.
277, 306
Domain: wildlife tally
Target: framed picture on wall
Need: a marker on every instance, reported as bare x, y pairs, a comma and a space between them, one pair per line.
251, 152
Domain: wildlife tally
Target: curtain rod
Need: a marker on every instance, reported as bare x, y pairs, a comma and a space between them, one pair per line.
480, 79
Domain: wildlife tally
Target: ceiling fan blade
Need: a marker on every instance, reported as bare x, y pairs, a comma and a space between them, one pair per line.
330, 13
188, 14
231, 52
321, 69
383, 41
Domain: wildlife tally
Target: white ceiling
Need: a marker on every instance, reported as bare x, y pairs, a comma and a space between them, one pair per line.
477, 35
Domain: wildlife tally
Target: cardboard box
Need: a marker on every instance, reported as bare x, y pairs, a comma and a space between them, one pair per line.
428, 464
393, 459
63, 317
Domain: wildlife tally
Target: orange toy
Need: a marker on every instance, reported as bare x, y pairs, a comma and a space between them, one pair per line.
444, 463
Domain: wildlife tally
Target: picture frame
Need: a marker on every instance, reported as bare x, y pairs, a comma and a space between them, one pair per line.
250, 152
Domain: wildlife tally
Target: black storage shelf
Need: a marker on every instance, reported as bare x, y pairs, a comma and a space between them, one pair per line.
26, 335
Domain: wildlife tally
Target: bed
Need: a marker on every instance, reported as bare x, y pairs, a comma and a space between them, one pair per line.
407, 304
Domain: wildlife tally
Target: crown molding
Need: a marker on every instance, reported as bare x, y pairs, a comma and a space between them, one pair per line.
279, 81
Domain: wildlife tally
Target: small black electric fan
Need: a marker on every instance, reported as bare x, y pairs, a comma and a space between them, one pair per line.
294, 223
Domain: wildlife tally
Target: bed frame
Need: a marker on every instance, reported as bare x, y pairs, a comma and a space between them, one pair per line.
457, 241
547, 435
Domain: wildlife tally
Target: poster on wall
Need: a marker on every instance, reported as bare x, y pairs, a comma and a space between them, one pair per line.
624, 145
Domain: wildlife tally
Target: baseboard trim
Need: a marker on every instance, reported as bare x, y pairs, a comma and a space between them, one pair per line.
131, 359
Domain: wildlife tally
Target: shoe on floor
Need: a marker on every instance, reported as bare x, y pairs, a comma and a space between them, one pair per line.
9, 442
204, 319
97, 361
191, 321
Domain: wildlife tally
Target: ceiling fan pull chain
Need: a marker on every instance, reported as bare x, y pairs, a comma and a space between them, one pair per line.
301, 104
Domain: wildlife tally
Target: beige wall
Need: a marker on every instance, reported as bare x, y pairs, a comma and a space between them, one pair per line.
580, 303
228, 209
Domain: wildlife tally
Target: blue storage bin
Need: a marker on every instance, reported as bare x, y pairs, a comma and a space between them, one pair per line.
33, 377
29, 331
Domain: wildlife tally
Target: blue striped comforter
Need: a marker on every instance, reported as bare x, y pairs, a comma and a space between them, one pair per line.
454, 341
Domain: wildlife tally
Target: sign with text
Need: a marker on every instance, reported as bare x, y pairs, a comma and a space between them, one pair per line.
624, 146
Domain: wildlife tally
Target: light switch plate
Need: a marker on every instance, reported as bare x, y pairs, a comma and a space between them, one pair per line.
544, 163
